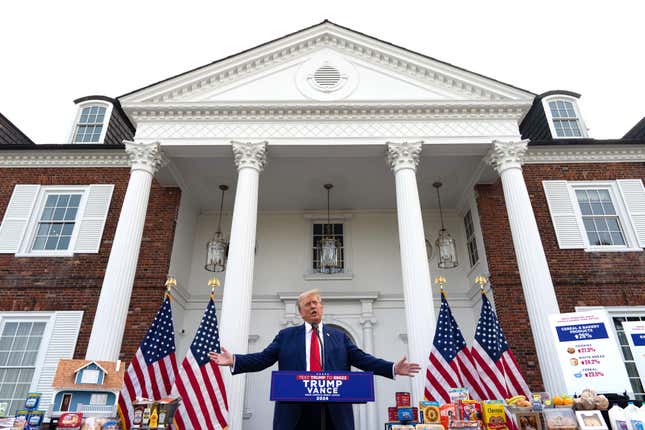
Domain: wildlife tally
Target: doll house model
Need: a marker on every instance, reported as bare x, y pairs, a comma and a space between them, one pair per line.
87, 386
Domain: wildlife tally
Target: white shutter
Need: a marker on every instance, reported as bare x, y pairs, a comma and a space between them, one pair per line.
62, 344
91, 225
563, 214
16, 217
633, 194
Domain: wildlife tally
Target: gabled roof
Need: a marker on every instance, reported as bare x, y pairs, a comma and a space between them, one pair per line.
90, 363
66, 375
326, 34
11, 135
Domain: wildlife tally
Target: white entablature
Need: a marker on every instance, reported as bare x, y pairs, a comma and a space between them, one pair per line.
326, 72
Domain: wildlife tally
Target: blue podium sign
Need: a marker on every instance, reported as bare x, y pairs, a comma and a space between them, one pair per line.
297, 386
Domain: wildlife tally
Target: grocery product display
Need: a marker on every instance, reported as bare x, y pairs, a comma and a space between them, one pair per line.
541, 412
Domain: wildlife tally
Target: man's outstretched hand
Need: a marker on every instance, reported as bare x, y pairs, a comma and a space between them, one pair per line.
404, 367
223, 359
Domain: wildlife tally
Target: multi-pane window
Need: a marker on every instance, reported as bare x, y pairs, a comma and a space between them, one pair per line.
471, 241
565, 120
19, 346
90, 125
56, 222
328, 230
630, 365
599, 217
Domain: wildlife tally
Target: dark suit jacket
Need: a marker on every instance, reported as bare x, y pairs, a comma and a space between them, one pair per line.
288, 349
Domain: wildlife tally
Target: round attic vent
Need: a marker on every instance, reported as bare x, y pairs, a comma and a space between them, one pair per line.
327, 78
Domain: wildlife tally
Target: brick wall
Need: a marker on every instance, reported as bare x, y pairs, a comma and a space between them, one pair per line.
580, 278
74, 283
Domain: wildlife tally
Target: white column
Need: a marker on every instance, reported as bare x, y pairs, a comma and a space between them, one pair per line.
539, 294
114, 301
236, 302
403, 159
367, 322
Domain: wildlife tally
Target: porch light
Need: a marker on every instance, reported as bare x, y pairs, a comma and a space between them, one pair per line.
217, 247
446, 248
328, 246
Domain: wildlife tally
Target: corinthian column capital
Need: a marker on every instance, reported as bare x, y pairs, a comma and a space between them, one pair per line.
145, 156
250, 154
506, 155
404, 155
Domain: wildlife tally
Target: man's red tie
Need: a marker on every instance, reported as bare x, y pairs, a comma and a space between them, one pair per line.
314, 353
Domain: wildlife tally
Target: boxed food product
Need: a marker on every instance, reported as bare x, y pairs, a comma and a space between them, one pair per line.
528, 420
32, 400
447, 413
457, 394
405, 414
429, 427
429, 412
494, 415
469, 410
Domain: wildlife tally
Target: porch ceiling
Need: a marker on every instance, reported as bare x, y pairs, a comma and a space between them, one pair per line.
294, 181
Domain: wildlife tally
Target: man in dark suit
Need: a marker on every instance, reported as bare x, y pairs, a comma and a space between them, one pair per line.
299, 348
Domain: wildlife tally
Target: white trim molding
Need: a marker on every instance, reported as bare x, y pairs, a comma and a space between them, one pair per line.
58, 158
585, 154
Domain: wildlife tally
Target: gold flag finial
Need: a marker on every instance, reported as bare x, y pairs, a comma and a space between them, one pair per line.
441, 281
170, 283
213, 282
481, 281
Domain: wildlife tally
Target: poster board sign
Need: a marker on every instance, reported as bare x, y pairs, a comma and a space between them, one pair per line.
336, 386
588, 353
635, 332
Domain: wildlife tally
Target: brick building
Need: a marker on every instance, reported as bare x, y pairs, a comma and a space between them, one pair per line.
91, 227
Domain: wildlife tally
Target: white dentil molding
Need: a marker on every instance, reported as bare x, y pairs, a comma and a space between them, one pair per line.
145, 156
218, 111
403, 155
506, 155
586, 154
57, 158
250, 154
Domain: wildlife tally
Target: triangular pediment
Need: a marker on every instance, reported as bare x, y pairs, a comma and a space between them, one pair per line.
326, 63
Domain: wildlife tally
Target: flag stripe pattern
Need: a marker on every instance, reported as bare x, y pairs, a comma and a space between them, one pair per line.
499, 372
450, 363
199, 382
153, 369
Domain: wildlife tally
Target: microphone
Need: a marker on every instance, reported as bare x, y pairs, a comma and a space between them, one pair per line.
314, 327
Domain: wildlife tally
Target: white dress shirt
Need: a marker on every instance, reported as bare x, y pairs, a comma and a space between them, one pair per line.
308, 331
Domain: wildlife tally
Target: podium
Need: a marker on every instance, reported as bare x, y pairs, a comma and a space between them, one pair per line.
322, 387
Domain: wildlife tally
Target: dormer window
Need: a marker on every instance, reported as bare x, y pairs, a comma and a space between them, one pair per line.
564, 117
91, 122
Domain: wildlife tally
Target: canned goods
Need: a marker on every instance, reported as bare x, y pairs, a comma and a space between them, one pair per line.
392, 414
402, 399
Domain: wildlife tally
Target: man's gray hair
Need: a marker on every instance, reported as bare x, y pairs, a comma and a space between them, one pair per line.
307, 293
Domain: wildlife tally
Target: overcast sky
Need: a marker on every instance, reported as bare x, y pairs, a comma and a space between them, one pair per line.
53, 52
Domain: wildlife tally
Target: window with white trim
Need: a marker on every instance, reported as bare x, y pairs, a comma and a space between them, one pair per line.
20, 343
90, 376
90, 124
336, 231
598, 215
632, 371
471, 240
55, 220
564, 117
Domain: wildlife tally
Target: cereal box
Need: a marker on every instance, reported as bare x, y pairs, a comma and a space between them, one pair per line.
494, 416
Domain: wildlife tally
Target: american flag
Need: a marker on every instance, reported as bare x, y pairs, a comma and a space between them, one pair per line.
152, 372
200, 383
498, 370
450, 362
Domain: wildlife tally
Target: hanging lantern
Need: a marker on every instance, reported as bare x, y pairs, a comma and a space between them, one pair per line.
328, 247
446, 248
217, 247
